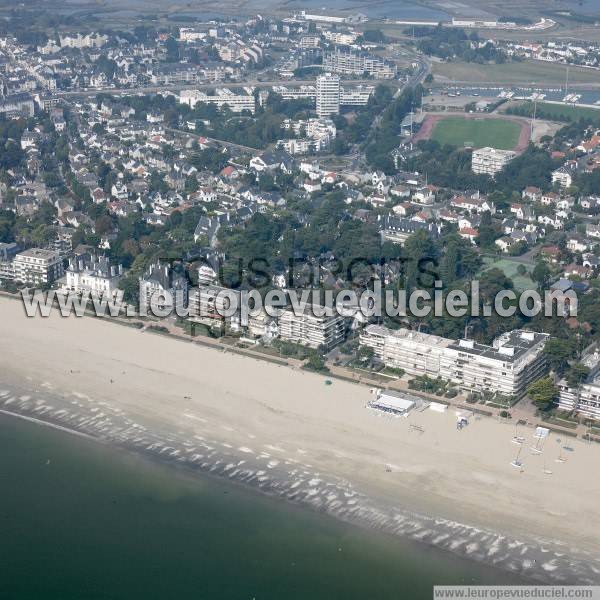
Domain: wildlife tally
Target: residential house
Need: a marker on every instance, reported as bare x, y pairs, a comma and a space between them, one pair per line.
163, 288
532, 193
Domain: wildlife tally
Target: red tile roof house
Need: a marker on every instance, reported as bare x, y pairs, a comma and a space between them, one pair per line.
469, 233
550, 253
578, 270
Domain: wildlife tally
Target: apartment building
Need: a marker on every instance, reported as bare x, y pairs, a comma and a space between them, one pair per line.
171, 74
91, 40
341, 38
562, 177
208, 304
514, 359
17, 105
237, 102
93, 275
8, 251
310, 330
328, 95
352, 62
490, 161
37, 266
584, 399
293, 93
414, 352
507, 367
356, 96
318, 135
7, 270
349, 96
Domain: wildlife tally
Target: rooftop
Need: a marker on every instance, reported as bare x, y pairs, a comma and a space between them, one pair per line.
38, 253
409, 334
508, 347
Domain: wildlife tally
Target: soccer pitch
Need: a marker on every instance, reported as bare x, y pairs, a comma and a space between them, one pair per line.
477, 133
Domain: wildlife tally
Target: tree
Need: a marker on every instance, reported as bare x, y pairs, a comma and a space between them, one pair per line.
172, 50
421, 253
191, 184
576, 374
104, 224
374, 36
315, 362
492, 282
131, 289
339, 146
487, 235
543, 393
365, 355
541, 274
558, 352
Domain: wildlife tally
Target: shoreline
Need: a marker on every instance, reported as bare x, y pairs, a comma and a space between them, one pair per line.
247, 421
520, 557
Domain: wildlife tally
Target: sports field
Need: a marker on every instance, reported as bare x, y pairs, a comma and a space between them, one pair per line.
477, 133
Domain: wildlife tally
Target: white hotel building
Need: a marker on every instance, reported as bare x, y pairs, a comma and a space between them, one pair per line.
37, 266
223, 96
508, 366
489, 161
352, 62
584, 399
310, 330
328, 95
514, 359
349, 96
414, 352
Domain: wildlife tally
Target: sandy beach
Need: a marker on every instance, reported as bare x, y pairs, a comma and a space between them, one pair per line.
284, 431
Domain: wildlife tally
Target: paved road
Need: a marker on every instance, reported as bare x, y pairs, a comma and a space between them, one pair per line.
210, 139
528, 258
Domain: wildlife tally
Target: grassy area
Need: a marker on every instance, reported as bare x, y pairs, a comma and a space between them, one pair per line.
561, 112
458, 131
509, 268
527, 72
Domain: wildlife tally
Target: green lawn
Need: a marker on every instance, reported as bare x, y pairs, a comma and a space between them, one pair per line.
509, 268
458, 131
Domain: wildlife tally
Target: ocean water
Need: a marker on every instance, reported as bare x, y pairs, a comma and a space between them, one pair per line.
79, 520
